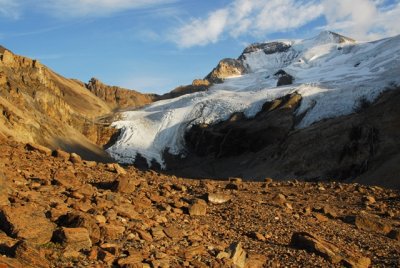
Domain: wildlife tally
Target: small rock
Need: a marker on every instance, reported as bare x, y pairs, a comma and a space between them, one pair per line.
194, 251
66, 178
74, 158
120, 170
62, 154
145, 235
279, 199
173, 233
124, 184
39, 148
74, 239
369, 199
112, 231
237, 254
218, 198
198, 208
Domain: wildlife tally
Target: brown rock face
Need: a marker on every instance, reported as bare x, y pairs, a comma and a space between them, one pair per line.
26, 222
361, 146
117, 97
226, 68
42, 107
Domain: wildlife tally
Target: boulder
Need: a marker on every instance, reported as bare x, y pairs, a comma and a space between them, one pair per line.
74, 239
370, 223
218, 198
237, 254
329, 251
26, 253
75, 220
26, 222
39, 148
198, 208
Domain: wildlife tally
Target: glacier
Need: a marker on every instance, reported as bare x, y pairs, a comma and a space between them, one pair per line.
331, 74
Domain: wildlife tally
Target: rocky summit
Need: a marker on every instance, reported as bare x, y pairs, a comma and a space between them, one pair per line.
58, 210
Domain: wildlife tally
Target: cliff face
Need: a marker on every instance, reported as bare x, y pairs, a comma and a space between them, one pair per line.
362, 146
117, 97
38, 105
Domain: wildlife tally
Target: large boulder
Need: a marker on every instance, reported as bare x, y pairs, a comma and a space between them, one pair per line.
26, 222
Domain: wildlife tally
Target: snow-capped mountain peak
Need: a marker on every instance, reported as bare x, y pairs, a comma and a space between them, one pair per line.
331, 73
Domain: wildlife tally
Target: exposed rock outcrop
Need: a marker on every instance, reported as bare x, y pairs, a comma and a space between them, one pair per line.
226, 68
361, 146
117, 97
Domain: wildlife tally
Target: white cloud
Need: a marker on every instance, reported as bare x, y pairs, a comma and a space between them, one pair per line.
9, 9
362, 19
202, 32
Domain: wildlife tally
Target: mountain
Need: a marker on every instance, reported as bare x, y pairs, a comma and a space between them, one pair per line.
325, 87
40, 106
117, 97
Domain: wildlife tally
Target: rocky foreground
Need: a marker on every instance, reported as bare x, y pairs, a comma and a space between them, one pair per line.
57, 210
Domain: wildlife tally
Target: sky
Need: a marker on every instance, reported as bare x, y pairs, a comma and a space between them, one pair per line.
157, 45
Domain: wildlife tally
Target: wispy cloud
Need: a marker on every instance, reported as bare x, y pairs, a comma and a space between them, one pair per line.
75, 8
9, 9
365, 19
78, 8
247, 17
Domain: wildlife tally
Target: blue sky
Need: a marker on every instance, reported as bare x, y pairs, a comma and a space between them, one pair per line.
156, 45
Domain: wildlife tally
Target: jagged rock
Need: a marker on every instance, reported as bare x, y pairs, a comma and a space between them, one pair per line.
194, 251
283, 78
372, 224
112, 231
66, 178
74, 239
198, 208
75, 220
218, 198
237, 254
120, 170
145, 235
118, 97
329, 251
226, 68
29, 255
125, 184
39, 148
62, 154
173, 233
26, 222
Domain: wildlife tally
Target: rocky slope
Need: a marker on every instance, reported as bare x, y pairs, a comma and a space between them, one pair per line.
61, 211
38, 105
117, 97
361, 146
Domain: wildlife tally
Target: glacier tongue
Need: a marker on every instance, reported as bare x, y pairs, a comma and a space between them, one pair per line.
331, 73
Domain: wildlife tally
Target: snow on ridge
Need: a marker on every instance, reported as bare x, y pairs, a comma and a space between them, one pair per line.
331, 76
